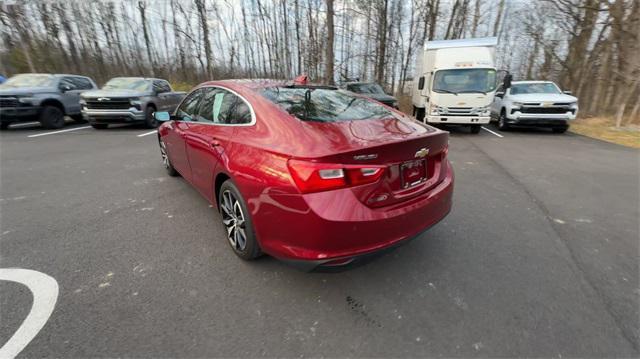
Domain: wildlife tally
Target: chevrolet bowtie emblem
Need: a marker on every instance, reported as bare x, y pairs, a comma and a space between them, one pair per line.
103, 99
423, 152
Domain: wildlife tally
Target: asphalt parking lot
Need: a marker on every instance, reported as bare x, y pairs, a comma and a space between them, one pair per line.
538, 258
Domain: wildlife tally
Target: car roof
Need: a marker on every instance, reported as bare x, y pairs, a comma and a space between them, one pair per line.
254, 84
53, 75
137, 77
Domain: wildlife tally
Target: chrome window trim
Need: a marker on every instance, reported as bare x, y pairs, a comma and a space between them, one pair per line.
253, 114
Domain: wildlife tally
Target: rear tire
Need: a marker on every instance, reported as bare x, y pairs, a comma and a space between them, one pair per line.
165, 160
149, 120
237, 222
78, 118
560, 129
475, 129
502, 121
99, 126
51, 117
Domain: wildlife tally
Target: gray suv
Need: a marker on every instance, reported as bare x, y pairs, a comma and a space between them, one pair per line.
45, 98
129, 100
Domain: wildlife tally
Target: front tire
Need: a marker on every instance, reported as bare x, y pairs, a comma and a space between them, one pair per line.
51, 117
419, 112
150, 120
78, 118
562, 129
475, 129
165, 160
237, 222
502, 121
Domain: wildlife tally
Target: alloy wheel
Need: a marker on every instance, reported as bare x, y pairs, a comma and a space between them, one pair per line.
163, 152
234, 220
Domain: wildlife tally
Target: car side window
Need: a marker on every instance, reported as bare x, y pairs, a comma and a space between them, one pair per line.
241, 113
220, 106
205, 113
67, 84
165, 86
82, 83
230, 109
161, 86
189, 107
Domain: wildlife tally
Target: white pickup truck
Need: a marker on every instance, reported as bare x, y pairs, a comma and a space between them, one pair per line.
533, 104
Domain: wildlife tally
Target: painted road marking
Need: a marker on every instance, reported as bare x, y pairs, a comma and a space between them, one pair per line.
495, 133
24, 124
147, 133
45, 294
61, 131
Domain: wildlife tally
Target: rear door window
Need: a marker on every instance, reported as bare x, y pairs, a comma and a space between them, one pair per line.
224, 107
325, 105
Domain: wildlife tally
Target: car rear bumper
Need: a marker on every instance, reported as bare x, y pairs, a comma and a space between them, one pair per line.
458, 120
113, 116
17, 114
334, 228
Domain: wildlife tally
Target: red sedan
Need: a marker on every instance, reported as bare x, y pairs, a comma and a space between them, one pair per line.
312, 175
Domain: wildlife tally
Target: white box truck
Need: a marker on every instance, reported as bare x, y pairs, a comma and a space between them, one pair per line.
455, 81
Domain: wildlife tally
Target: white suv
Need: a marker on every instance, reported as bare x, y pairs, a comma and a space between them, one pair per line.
534, 104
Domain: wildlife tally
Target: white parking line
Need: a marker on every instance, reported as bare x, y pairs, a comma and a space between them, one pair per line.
61, 131
147, 133
495, 133
24, 124
45, 294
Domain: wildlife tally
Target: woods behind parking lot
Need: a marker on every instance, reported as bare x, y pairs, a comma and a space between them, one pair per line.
106, 251
587, 46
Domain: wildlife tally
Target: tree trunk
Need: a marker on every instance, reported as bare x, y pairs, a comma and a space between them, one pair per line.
202, 14
496, 25
382, 41
328, 72
142, 7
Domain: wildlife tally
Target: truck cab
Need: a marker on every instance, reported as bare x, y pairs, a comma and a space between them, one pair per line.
46, 98
455, 82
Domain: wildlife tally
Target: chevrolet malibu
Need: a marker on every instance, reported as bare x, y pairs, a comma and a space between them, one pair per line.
309, 174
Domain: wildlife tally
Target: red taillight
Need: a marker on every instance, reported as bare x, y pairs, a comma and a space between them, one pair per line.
316, 177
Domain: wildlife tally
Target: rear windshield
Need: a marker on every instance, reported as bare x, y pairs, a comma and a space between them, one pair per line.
325, 105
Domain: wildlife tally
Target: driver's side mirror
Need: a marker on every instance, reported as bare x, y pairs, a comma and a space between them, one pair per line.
65, 88
162, 116
567, 92
500, 94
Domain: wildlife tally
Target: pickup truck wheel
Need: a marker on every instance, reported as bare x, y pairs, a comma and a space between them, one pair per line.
4, 125
149, 120
562, 129
51, 117
475, 129
502, 122
78, 118
99, 126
